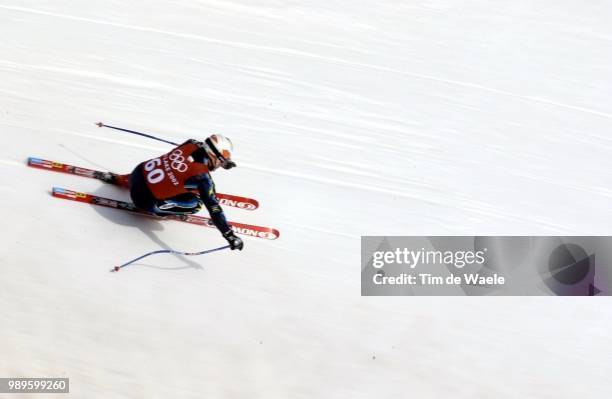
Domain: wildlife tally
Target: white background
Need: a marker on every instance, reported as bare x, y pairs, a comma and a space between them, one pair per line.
350, 118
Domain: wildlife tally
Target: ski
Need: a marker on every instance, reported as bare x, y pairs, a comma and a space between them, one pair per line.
224, 199
239, 228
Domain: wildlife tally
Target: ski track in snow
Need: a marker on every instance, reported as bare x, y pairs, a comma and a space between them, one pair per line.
311, 55
350, 119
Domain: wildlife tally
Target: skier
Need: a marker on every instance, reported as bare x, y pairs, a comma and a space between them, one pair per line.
179, 182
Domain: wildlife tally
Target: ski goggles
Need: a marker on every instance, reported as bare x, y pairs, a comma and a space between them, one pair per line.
226, 163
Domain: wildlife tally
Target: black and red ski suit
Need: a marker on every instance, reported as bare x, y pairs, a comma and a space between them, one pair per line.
178, 182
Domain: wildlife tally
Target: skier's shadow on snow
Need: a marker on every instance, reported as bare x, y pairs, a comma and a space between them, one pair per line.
147, 226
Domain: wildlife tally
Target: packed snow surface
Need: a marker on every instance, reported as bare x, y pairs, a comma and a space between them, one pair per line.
350, 118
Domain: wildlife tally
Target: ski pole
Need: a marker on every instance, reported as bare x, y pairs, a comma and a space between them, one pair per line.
100, 124
167, 251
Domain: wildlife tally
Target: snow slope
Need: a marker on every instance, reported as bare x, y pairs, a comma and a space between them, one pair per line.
350, 118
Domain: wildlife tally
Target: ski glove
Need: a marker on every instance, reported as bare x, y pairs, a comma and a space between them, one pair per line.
234, 242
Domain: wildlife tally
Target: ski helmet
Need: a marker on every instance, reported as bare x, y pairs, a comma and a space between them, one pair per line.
221, 148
